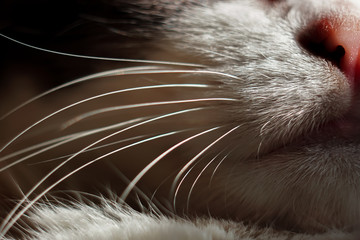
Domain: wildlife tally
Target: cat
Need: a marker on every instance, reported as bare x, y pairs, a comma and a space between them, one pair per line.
185, 119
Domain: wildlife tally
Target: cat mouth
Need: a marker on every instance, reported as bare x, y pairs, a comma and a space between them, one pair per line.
344, 129
338, 132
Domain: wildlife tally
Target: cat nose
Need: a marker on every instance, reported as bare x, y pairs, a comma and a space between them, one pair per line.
336, 40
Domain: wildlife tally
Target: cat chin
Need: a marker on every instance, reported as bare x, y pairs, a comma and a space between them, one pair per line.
311, 184
310, 187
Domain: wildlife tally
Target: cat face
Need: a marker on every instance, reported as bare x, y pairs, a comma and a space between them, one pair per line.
260, 125
298, 139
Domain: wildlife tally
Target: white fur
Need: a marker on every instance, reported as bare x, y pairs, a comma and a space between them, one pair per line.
115, 223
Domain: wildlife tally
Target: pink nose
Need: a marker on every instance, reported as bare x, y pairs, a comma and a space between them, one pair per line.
338, 41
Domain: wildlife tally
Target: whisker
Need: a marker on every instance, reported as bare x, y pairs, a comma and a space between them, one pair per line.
166, 206
75, 104
138, 105
49, 142
71, 138
216, 168
196, 71
174, 189
182, 180
259, 149
34, 147
17, 185
92, 149
6, 225
156, 160
120, 71
101, 58
99, 19
139, 203
197, 178
262, 129
150, 201
217, 53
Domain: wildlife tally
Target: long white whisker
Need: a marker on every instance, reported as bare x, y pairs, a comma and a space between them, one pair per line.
175, 189
167, 208
197, 178
138, 105
56, 140
70, 139
52, 141
217, 53
181, 182
156, 160
102, 58
17, 185
141, 193
120, 71
80, 102
196, 71
6, 225
9, 223
94, 148
99, 19
216, 168
34, 147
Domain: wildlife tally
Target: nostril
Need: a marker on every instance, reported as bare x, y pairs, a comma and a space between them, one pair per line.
337, 55
319, 49
336, 40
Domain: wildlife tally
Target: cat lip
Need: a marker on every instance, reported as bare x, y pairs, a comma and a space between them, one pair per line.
346, 128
